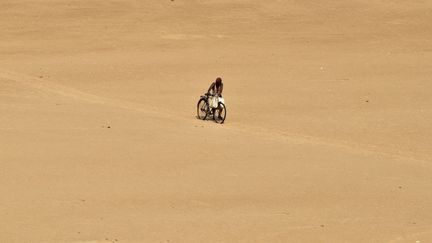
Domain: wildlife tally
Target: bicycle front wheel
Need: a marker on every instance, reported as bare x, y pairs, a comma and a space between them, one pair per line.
202, 109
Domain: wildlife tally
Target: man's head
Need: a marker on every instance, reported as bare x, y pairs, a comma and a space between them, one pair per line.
218, 81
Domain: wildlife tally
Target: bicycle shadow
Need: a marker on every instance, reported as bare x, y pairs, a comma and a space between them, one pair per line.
208, 118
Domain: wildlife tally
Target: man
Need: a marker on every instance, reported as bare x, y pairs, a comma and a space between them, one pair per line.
216, 89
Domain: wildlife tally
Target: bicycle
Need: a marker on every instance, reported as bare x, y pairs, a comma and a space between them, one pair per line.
206, 109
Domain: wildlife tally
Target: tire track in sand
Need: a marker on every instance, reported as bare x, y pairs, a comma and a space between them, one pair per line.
50, 87
261, 132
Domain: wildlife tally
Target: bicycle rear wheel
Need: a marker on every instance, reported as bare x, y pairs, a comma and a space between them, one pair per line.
202, 109
220, 114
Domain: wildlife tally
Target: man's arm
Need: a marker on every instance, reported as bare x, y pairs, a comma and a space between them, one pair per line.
211, 87
220, 90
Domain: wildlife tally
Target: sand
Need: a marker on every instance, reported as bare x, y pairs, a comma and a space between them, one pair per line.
327, 137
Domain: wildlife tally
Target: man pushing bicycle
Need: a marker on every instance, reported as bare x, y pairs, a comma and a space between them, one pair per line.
212, 104
215, 92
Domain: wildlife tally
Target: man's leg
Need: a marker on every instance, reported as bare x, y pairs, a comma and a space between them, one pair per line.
219, 112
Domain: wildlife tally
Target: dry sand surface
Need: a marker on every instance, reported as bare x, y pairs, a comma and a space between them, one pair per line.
328, 136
